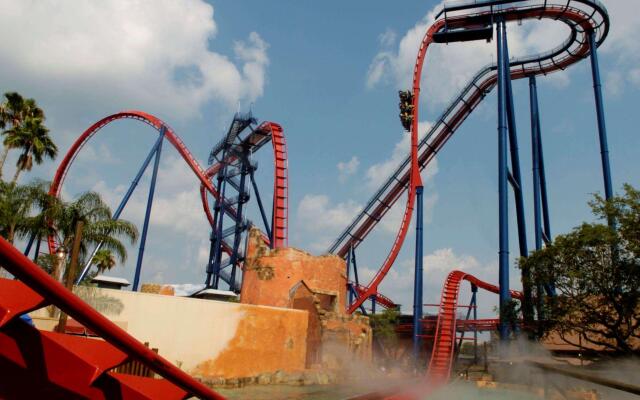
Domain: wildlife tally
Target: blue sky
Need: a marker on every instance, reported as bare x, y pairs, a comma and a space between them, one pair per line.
328, 73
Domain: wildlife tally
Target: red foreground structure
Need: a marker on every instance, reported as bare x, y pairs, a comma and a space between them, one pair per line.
45, 365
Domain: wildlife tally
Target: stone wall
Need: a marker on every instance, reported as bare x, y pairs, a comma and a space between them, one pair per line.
270, 275
317, 284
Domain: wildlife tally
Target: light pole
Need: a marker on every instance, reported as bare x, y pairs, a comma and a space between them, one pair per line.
58, 262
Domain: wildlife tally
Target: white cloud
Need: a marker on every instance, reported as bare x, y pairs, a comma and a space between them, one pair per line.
393, 218
148, 54
378, 173
622, 44
176, 204
446, 260
316, 212
322, 220
91, 153
387, 38
347, 168
449, 67
398, 283
186, 289
614, 83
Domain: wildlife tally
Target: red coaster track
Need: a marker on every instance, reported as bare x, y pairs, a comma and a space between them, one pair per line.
51, 365
581, 16
443, 353
279, 225
267, 131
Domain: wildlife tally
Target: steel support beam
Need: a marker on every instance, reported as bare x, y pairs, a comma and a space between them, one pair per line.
472, 307
125, 199
417, 282
503, 196
355, 266
602, 128
218, 224
527, 303
515, 156
242, 193
209, 270
35, 256
474, 290
29, 244
535, 157
147, 215
540, 204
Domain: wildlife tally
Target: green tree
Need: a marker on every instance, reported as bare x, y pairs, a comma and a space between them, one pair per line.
32, 138
14, 110
104, 260
384, 326
596, 271
97, 227
17, 203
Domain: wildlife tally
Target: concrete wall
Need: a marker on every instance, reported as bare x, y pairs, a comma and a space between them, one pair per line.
213, 338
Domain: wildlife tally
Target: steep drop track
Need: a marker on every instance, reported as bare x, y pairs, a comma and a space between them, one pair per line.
267, 131
581, 16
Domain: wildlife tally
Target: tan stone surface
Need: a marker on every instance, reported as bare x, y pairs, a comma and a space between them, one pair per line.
264, 342
269, 275
228, 340
292, 278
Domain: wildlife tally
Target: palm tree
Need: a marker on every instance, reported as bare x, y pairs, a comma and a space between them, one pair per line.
16, 205
103, 260
97, 227
85, 222
13, 111
40, 225
32, 137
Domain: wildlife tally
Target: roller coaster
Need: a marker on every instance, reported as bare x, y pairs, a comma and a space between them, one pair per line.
588, 24
231, 170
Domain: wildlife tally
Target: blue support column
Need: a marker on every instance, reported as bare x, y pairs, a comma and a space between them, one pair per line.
35, 255
29, 244
348, 263
355, 266
474, 289
602, 128
527, 306
209, 269
263, 214
543, 189
219, 223
125, 199
515, 156
503, 214
147, 215
373, 304
535, 156
417, 283
242, 198
472, 304
540, 204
